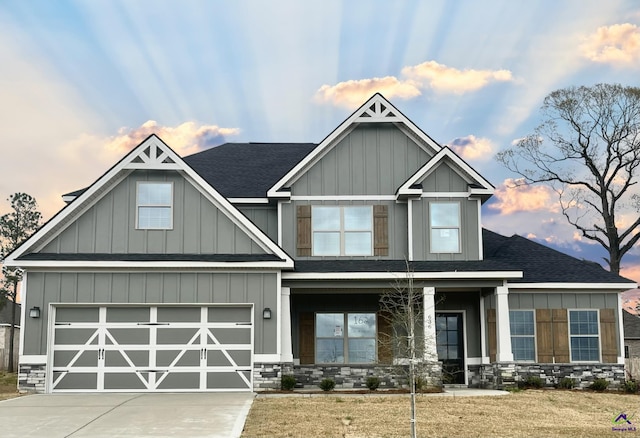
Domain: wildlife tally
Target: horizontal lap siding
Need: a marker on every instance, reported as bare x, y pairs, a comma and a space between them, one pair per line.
260, 289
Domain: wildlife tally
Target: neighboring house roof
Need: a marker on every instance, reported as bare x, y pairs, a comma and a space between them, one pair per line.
5, 313
631, 324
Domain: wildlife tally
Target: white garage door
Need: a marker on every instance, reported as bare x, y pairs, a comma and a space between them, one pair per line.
152, 348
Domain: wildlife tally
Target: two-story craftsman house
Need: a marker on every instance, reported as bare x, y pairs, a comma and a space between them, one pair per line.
223, 269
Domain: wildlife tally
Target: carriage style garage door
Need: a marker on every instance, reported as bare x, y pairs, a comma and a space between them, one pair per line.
152, 348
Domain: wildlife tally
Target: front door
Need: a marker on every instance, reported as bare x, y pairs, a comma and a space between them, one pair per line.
450, 346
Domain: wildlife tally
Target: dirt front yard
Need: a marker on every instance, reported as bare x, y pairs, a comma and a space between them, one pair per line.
532, 413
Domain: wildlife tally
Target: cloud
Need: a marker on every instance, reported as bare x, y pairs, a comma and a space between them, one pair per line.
429, 75
351, 94
511, 198
187, 138
473, 148
616, 44
445, 79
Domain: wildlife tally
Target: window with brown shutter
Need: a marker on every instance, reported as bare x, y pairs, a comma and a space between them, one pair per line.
304, 230
385, 334
552, 336
492, 332
608, 329
380, 230
307, 338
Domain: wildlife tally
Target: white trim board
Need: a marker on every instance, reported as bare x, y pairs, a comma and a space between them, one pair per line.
398, 275
580, 286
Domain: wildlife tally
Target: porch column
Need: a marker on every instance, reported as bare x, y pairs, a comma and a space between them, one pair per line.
285, 325
503, 331
429, 316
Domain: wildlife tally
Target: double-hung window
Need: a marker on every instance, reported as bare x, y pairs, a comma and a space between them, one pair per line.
444, 222
342, 230
154, 205
584, 335
345, 338
523, 344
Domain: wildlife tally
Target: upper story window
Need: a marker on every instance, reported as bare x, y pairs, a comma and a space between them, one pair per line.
522, 325
584, 335
154, 206
342, 231
444, 222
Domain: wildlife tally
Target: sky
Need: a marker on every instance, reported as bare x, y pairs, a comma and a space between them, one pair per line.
82, 82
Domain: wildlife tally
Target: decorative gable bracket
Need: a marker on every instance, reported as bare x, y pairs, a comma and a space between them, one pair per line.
378, 112
152, 157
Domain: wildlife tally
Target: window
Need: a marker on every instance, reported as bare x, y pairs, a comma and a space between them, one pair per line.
522, 325
350, 342
444, 220
346, 231
155, 203
584, 336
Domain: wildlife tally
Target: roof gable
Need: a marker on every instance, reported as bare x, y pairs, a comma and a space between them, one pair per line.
477, 184
152, 154
376, 110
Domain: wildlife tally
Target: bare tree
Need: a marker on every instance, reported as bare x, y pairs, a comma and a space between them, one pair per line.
15, 227
403, 307
588, 150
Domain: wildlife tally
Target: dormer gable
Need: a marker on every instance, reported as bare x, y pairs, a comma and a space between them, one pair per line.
446, 173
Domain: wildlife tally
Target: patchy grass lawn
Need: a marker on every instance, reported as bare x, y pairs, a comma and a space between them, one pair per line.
8, 385
532, 413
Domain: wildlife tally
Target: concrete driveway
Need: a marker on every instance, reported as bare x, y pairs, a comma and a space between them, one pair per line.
125, 415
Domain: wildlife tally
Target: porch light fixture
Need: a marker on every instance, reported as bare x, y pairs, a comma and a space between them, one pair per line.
266, 313
34, 312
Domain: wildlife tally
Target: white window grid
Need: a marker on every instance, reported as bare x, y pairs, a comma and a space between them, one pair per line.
345, 335
139, 205
341, 230
457, 227
533, 336
597, 335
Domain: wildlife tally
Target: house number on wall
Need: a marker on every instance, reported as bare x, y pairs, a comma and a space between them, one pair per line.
359, 320
429, 321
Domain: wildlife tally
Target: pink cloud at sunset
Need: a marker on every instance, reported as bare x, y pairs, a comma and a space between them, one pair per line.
473, 148
512, 197
429, 75
442, 78
616, 44
351, 94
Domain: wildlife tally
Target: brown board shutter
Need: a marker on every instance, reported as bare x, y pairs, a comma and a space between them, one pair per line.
304, 230
491, 326
560, 335
380, 230
608, 335
307, 338
385, 334
544, 332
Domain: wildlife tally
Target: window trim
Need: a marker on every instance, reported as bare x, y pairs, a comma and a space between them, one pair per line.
534, 336
459, 227
345, 337
598, 336
138, 205
341, 231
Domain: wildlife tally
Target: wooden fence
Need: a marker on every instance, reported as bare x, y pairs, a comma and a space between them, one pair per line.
4, 347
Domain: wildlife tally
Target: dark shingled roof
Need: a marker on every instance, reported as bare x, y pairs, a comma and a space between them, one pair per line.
539, 264
153, 257
631, 324
247, 170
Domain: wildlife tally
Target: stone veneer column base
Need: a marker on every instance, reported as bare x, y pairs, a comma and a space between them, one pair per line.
31, 378
267, 376
504, 375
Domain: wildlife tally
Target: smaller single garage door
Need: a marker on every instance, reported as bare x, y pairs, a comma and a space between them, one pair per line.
152, 348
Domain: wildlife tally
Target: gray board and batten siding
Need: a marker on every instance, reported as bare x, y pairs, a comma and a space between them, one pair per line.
373, 159
264, 217
259, 289
469, 236
109, 226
